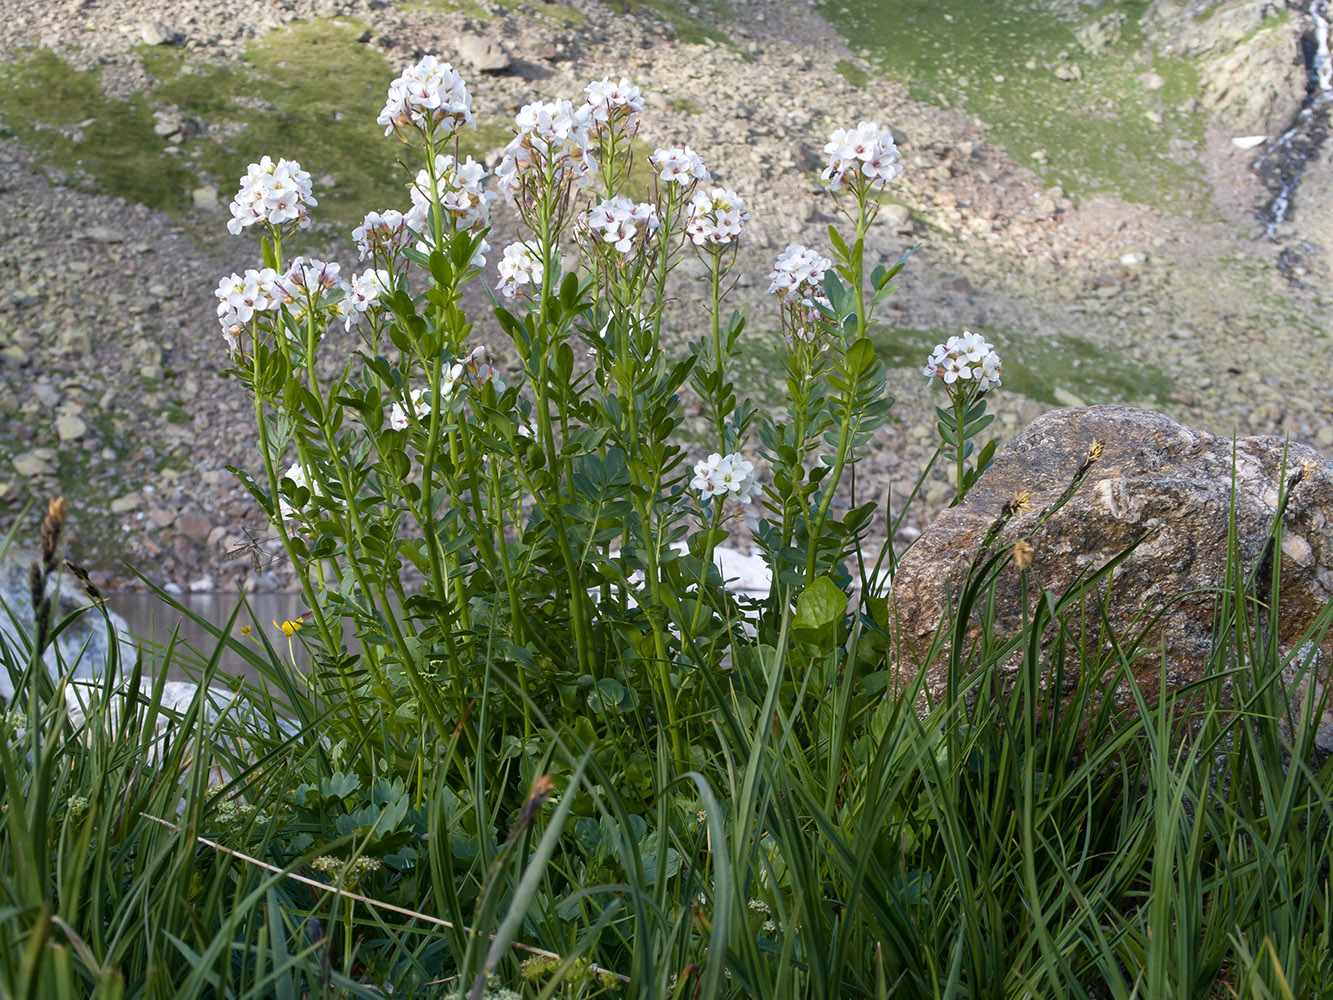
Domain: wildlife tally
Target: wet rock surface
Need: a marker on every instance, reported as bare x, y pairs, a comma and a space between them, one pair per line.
111, 383
1164, 490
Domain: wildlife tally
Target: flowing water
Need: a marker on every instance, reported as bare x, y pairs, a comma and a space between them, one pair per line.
1284, 161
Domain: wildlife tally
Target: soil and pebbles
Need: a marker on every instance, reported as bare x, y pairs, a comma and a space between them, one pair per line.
111, 383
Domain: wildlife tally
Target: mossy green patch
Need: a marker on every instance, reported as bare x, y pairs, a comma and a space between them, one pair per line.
1103, 132
310, 91
1039, 366
61, 115
852, 73
549, 11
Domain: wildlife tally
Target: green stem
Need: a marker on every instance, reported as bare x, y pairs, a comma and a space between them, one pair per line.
718, 359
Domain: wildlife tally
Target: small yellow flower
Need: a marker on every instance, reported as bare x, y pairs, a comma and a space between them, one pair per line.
1096, 450
245, 629
289, 628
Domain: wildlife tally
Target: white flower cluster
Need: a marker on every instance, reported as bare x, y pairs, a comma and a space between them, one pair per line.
728, 476
304, 285
679, 165
716, 217
241, 296
798, 279
430, 98
273, 193
307, 282
614, 105
364, 290
965, 358
867, 150
622, 223
382, 233
798, 276
553, 136
462, 198
520, 265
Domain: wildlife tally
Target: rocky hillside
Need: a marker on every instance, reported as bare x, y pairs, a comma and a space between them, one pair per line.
123, 127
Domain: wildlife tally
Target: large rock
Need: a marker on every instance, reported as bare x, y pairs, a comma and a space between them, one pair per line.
1154, 478
1249, 56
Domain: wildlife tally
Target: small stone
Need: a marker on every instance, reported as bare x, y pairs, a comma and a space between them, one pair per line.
1068, 72
205, 198
161, 516
102, 234
194, 526
483, 55
898, 217
158, 33
46, 394
1325, 435
70, 428
14, 355
37, 462
125, 504
1151, 80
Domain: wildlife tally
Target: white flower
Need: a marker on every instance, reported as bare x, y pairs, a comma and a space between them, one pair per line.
716, 217
622, 223
727, 476
464, 203
615, 104
553, 137
867, 150
431, 98
383, 233
451, 378
273, 193
965, 358
706, 477
520, 265
361, 293
678, 165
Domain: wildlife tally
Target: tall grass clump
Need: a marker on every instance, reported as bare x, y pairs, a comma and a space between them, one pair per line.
528, 742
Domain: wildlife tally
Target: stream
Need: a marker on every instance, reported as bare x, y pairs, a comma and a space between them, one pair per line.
1285, 160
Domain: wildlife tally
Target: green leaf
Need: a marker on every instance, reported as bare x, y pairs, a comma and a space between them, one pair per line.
839, 244
819, 609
